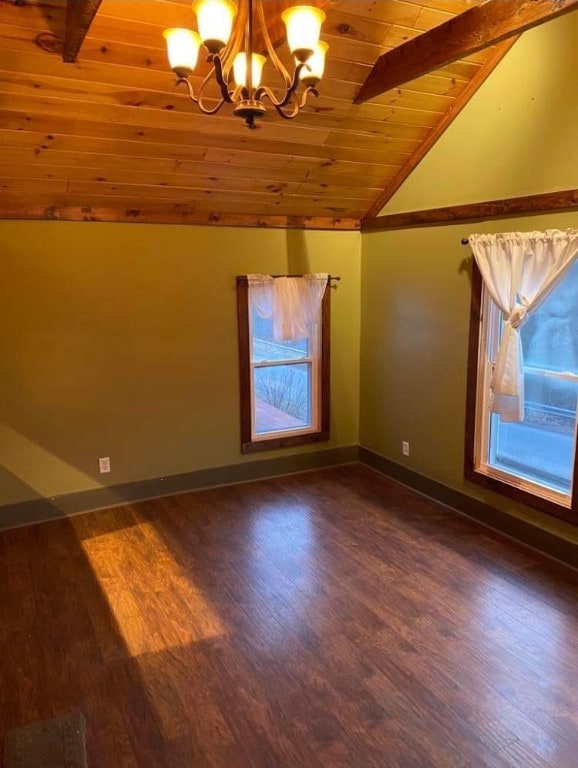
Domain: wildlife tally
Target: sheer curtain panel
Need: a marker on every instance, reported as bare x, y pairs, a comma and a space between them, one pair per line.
519, 270
294, 303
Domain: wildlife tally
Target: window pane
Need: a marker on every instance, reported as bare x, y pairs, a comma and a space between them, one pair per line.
264, 346
282, 398
540, 448
550, 336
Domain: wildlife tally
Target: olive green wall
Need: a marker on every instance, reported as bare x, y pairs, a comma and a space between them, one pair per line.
515, 137
120, 340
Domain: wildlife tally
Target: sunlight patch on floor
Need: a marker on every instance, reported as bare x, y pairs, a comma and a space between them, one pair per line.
153, 600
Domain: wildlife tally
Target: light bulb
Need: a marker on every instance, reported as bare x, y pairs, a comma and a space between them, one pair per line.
215, 22
240, 69
303, 24
182, 50
314, 67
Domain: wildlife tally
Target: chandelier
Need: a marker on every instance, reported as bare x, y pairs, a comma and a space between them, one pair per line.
228, 34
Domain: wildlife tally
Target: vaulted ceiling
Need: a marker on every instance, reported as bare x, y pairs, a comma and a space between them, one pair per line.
110, 137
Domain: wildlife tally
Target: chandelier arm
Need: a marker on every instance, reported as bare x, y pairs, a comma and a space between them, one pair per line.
309, 90
211, 111
277, 63
296, 107
234, 45
222, 82
291, 88
217, 72
287, 115
199, 99
192, 96
249, 50
206, 80
279, 105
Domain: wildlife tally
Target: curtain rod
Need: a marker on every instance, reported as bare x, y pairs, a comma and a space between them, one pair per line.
330, 278
465, 241
337, 278
242, 279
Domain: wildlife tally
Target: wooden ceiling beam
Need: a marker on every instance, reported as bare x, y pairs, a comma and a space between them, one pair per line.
459, 37
79, 16
11, 208
528, 205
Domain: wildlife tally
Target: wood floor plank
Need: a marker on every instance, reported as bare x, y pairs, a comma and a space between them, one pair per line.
331, 619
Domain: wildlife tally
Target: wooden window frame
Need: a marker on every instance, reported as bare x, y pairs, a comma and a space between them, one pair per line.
248, 444
507, 486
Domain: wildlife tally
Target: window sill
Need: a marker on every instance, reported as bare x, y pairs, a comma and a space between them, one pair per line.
520, 494
284, 442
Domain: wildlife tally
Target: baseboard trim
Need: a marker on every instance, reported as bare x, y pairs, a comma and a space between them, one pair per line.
44, 509
524, 532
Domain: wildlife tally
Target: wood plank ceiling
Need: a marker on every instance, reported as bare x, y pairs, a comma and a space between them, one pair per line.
111, 138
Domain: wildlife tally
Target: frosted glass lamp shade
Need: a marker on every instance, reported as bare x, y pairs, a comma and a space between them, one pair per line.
215, 22
182, 50
313, 70
303, 25
240, 69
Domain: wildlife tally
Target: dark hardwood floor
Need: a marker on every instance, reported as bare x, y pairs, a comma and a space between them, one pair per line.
325, 619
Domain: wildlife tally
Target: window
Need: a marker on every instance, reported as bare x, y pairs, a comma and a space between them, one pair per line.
532, 460
284, 383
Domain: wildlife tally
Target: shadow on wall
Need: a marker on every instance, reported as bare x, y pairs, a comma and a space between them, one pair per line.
32, 501
298, 261
17, 514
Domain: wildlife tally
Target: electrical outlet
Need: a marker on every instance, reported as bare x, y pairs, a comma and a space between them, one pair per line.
405, 448
104, 465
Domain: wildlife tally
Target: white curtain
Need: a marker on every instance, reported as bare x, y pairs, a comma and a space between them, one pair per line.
261, 294
519, 270
294, 303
